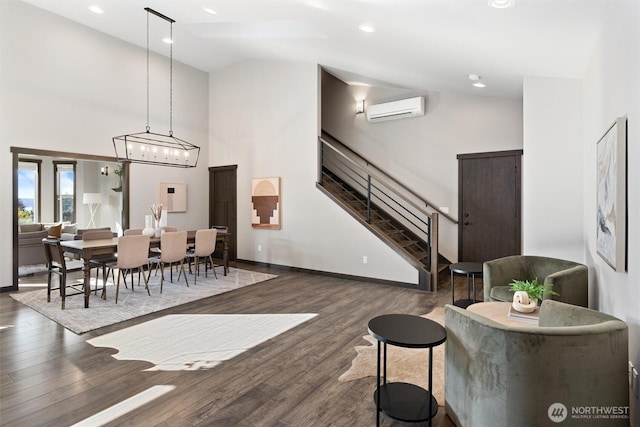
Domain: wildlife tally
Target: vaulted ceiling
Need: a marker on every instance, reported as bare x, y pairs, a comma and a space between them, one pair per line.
426, 45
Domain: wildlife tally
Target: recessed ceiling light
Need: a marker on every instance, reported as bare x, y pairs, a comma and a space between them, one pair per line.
476, 79
167, 40
209, 10
96, 9
501, 4
366, 28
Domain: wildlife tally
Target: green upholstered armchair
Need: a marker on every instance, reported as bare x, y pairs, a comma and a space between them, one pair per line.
498, 375
569, 279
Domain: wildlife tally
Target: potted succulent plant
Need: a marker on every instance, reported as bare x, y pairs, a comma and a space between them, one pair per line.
534, 290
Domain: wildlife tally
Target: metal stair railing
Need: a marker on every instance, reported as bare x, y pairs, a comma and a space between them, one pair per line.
384, 193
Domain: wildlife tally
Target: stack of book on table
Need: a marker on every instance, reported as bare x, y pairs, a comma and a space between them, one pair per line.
525, 317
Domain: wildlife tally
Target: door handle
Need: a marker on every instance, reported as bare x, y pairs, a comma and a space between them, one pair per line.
466, 223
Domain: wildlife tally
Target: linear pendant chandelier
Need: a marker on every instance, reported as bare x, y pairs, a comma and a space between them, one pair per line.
156, 148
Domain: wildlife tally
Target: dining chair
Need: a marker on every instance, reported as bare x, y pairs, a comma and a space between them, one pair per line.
58, 265
133, 254
205, 245
104, 262
173, 249
136, 232
165, 229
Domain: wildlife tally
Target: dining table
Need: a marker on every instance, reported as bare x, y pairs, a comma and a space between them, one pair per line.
86, 249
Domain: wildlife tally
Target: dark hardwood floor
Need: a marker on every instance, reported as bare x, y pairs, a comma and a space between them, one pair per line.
51, 376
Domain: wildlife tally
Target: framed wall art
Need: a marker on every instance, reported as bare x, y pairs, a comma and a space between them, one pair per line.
611, 198
265, 203
173, 197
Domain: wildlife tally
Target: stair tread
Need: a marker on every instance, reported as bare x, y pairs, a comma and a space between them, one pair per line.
378, 221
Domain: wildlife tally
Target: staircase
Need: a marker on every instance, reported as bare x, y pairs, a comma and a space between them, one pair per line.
395, 214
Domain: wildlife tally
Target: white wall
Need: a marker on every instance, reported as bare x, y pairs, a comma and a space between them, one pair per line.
421, 152
66, 87
564, 119
552, 176
264, 118
611, 89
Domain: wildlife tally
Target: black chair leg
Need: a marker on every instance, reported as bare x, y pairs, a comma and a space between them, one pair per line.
49, 286
213, 267
63, 285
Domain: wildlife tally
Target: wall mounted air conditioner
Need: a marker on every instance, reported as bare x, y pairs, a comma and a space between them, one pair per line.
404, 108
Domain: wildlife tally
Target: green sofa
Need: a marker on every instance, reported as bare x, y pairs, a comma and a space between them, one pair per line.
569, 279
496, 375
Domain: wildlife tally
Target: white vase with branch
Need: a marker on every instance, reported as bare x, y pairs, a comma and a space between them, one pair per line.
156, 211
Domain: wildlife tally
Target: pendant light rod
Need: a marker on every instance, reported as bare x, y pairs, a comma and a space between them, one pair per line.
171, 79
159, 15
148, 128
171, 21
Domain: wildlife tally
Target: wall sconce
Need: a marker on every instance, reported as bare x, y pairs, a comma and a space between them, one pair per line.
104, 170
359, 106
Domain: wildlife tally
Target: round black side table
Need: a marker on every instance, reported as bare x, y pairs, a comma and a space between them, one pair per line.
469, 269
399, 400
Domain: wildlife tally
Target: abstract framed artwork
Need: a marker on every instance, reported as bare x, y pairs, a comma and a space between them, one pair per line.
611, 198
265, 203
173, 197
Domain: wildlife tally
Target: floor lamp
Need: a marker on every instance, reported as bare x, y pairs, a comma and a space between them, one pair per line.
93, 200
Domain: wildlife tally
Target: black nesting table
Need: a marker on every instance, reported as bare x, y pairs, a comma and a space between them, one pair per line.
404, 401
469, 269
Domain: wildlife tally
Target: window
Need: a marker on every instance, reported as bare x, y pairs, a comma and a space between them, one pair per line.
28, 191
65, 190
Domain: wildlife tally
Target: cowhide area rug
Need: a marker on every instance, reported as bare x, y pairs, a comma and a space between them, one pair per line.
403, 364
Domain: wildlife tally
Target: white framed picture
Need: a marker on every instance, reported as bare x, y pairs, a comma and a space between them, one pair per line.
611, 207
173, 197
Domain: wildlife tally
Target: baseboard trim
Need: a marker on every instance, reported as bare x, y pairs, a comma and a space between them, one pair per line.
330, 274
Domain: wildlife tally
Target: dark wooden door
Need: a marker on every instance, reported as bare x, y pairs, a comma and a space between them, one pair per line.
223, 203
489, 203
